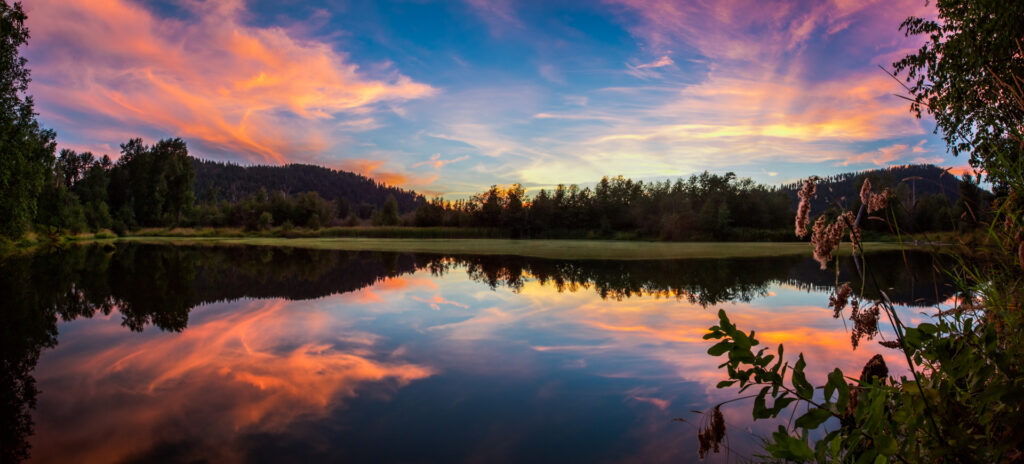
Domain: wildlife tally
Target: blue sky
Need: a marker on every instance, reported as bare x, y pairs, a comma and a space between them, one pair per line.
451, 97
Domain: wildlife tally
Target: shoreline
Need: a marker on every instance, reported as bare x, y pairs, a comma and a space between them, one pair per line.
397, 240
533, 248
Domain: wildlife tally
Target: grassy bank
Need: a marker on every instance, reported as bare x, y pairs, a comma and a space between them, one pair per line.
436, 240
553, 249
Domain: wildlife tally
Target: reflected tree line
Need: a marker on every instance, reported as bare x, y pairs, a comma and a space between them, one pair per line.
707, 282
152, 285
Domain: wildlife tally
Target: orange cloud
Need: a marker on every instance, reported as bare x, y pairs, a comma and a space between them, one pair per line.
260, 92
256, 369
371, 169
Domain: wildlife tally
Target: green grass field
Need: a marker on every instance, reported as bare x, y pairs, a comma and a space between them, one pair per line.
553, 249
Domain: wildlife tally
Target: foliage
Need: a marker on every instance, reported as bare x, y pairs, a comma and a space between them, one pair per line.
929, 197
216, 182
387, 216
702, 207
966, 73
618, 205
967, 405
26, 149
154, 182
964, 398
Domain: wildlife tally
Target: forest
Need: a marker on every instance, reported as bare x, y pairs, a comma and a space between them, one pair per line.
163, 186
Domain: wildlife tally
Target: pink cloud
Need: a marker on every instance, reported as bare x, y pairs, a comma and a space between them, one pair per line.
259, 92
371, 169
893, 153
659, 63
436, 162
647, 70
761, 31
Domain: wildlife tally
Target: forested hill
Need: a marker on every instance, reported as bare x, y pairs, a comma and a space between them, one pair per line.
231, 182
918, 180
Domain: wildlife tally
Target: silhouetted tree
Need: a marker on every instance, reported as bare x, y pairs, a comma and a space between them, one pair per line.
26, 149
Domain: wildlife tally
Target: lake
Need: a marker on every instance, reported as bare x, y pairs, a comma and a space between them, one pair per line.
151, 353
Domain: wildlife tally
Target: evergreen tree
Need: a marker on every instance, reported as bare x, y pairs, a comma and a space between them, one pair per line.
26, 149
389, 214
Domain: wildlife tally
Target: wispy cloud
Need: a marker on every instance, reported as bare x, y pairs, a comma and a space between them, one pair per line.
257, 92
893, 154
647, 70
436, 162
659, 63
498, 14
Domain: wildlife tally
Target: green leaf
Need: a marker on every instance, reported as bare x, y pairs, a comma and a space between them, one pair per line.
800, 383
813, 418
720, 348
787, 447
742, 341
837, 381
725, 383
760, 409
724, 321
886, 445
781, 404
913, 337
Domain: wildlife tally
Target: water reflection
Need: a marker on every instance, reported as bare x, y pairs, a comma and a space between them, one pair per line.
271, 354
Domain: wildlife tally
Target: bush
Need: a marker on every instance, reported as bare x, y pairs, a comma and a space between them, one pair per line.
964, 399
266, 220
119, 228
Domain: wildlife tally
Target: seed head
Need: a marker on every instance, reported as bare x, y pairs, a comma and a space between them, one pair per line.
803, 210
711, 436
839, 299
865, 323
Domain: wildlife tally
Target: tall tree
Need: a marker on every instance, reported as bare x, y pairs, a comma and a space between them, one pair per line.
389, 214
26, 149
968, 75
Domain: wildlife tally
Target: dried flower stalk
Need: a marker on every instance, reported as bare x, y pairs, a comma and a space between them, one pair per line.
839, 299
803, 211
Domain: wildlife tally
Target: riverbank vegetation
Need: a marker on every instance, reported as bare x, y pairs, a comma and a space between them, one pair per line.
962, 397
152, 187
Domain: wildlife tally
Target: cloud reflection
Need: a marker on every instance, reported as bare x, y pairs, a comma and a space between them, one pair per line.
355, 365
255, 368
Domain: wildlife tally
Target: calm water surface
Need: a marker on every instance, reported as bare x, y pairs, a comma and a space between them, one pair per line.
185, 354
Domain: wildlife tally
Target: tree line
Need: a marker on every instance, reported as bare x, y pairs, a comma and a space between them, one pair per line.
153, 186
708, 206
703, 206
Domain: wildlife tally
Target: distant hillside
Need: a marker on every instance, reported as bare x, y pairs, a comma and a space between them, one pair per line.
917, 179
225, 181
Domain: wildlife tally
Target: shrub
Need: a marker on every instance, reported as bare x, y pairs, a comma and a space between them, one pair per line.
119, 228
265, 220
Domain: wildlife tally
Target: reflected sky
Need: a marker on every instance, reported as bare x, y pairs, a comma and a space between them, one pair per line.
419, 365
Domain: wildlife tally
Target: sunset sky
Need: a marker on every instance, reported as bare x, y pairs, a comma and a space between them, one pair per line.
451, 97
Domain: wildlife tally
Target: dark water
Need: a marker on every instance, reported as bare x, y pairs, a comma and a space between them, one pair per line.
255, 354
